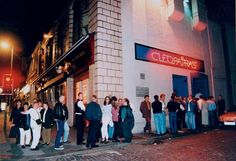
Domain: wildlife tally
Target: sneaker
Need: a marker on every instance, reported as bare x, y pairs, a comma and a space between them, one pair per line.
59, 148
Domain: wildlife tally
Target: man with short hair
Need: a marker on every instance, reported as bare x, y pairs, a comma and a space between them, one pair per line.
211, 111
93, 114
172, 108
190, 113
145, 109
60, 114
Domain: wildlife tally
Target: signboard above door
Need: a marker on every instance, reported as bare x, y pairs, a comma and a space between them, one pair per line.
163, 57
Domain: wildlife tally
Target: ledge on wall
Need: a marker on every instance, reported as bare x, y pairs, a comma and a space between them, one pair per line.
175, 10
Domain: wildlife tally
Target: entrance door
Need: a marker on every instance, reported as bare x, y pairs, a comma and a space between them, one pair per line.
200, 84
180, 85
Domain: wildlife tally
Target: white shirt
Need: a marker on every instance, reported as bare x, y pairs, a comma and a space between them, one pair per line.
163, 105
106, 110
44, 115
81, 105
200, 103
34, 115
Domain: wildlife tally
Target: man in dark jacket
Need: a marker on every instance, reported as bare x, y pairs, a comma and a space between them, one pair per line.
93, 114
172, 108
79, 118
145, 109
47, 123
157, 112
60, 114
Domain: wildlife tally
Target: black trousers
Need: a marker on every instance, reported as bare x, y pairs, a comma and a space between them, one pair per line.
116, 130
80, 128
92, 131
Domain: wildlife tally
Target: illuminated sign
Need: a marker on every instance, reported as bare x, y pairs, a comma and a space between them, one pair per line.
159, 56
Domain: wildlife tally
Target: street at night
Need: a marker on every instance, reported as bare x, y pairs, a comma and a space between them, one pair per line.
122, 80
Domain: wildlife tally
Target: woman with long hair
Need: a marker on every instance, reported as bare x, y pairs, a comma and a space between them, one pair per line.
106, 118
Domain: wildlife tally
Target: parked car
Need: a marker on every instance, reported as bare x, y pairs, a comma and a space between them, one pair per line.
228, 118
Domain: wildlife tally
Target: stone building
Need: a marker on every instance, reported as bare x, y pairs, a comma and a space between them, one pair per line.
131, 48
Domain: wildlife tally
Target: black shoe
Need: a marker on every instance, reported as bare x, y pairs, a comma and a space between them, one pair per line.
102, 141
107, 141
35, 149
27, 145
48, 144
82, 143
22, 146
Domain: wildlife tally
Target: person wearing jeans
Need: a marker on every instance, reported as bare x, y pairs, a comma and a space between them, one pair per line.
163, 118
60, 114
172, 108
145, 109
157, 111
190, 116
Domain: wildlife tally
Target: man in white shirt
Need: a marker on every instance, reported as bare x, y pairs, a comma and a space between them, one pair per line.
35, 125
162, 100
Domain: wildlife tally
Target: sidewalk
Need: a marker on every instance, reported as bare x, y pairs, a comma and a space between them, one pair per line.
10, 151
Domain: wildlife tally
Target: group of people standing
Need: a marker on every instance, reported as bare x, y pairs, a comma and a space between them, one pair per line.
191, 113
112, 120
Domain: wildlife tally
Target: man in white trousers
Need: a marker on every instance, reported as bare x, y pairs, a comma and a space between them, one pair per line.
35, 125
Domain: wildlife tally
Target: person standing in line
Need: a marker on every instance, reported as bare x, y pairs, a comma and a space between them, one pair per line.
47, 123
190, 113
157, 112
220, 105
60, 117
35, 124
120, 104
205, 121
106, 119
93, 114
211, 111
172, 107
145, 109
111, 129
25, 133
66, 125
79, 117
115, 119
15, 120
163, 118
127, 121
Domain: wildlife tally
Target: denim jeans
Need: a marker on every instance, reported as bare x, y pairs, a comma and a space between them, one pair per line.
163, 127
158, 122
66, 131
110, 131
211, 116
60, 129
173, 122
190, 120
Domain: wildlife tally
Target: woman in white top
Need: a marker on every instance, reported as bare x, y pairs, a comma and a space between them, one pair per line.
106, 118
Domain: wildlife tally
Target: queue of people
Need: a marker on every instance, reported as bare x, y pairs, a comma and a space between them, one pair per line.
191, 113
111, 121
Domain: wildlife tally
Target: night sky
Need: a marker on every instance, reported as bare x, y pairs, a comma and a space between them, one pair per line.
27, 20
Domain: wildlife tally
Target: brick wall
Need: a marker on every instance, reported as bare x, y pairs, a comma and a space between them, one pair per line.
105, 20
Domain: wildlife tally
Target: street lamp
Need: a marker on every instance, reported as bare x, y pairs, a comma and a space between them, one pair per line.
6, 45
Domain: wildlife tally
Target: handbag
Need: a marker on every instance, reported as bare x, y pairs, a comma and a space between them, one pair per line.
38, 121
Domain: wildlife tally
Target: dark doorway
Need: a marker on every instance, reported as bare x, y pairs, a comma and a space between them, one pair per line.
180, 85
200, 84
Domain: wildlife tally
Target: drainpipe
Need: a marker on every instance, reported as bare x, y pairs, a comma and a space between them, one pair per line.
211, 61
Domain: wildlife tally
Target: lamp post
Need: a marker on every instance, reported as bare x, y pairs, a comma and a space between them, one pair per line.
6, 45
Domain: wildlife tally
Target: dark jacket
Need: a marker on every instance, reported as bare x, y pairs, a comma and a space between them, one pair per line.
192, 105
24, 121
48, 123
60, 111
144, 109
157, 107
15, 116
173, 106
93, 112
